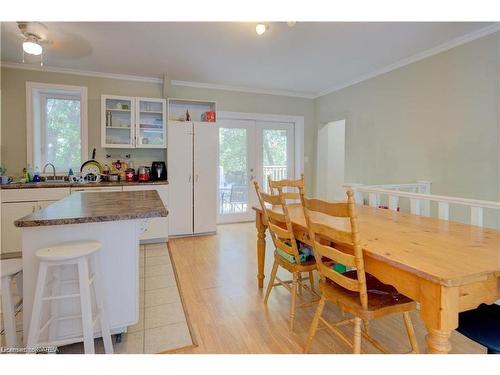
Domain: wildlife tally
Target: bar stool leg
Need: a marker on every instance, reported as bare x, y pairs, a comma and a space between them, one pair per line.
106, 335
19, 284
36, 313
87, 326
54, 305
9, 316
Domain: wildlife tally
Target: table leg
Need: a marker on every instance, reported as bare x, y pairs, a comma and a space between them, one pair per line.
261, 248
438, 341
439, 311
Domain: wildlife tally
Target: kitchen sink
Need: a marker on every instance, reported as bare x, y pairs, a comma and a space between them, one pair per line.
54, 179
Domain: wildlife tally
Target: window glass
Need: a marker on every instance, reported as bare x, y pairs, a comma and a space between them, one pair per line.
61, 133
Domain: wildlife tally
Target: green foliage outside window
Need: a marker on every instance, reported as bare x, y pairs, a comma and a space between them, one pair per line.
62, 137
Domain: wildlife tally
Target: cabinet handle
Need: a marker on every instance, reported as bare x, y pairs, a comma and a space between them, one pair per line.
196, 178
189, 178
33, 208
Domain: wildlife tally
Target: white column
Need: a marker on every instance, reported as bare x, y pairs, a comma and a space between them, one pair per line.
374, 199
443, 210
393, 202
476, 216
415, 206
424, 187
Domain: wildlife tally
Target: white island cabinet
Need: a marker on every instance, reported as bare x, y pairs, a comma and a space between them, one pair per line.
116, 220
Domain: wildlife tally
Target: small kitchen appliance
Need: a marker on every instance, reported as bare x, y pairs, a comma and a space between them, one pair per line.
143, 173
158, 171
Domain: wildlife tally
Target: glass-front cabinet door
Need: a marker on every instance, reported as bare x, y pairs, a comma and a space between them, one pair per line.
151, 123
117, 121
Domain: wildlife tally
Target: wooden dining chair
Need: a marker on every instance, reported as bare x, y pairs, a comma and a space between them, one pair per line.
287, 253
355, 291
286, 186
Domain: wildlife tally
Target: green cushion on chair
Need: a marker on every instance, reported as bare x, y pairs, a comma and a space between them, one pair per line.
340, 268
290, 258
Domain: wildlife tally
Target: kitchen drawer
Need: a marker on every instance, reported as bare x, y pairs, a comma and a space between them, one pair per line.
34, 194
157, 227
95, 189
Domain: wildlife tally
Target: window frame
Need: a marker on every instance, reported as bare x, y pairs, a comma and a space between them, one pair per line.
42, 91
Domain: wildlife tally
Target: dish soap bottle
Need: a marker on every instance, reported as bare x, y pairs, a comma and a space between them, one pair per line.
36, 175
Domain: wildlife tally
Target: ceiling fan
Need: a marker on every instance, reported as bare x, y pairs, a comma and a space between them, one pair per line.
34, 35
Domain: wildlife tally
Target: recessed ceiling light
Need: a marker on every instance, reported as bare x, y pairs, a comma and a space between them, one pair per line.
261, 28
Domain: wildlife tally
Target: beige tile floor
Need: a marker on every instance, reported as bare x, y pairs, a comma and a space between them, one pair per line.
162, 324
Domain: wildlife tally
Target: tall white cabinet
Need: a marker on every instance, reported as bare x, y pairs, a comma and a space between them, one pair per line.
192, 171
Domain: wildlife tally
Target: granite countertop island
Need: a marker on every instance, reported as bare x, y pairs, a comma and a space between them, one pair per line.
92, 207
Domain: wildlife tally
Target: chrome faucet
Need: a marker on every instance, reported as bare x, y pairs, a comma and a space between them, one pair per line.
53, 169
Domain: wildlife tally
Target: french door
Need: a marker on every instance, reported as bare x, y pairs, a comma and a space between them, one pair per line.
250, 151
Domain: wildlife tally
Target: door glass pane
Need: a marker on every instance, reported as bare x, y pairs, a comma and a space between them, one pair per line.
233, 179
150, 123
118, 121
274, 155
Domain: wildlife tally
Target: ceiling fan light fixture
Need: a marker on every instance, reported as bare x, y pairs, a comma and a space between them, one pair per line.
261, 28
32, 47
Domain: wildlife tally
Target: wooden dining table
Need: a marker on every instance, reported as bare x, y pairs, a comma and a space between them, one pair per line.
447, 267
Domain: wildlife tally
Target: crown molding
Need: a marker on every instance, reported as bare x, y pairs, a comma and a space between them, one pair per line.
88, 73
417, 57
252, 90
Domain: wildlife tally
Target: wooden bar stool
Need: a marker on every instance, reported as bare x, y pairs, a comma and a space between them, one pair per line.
83, 254
10, 269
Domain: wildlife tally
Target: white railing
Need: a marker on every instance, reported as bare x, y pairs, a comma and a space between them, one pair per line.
276, 172
420, 197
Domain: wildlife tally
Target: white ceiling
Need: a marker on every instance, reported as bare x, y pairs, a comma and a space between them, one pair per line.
308, 58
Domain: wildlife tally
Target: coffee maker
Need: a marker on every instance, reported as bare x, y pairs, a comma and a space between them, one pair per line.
158, 171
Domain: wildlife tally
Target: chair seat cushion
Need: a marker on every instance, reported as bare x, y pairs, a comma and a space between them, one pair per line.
380, 296
305, 252
482, 325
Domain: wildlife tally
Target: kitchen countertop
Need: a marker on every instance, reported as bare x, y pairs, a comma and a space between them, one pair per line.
33, 185
93, 207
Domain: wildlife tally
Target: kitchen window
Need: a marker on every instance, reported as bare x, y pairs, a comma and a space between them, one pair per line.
56, 126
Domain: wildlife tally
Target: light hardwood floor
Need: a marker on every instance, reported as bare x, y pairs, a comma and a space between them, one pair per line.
217, 277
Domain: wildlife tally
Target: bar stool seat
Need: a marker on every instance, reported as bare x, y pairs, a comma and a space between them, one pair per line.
85, 255
69, 250
10, 269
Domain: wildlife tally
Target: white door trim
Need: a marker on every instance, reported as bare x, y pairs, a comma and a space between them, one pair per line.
298, 122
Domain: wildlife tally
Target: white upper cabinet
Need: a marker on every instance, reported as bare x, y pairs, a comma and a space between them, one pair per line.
151, 124
117, 121
131, 122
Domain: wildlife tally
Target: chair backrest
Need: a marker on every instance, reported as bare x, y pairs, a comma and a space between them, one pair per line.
283, 187
278, 222
343, 245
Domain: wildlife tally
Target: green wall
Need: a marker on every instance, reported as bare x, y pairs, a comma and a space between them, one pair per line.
436, 119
